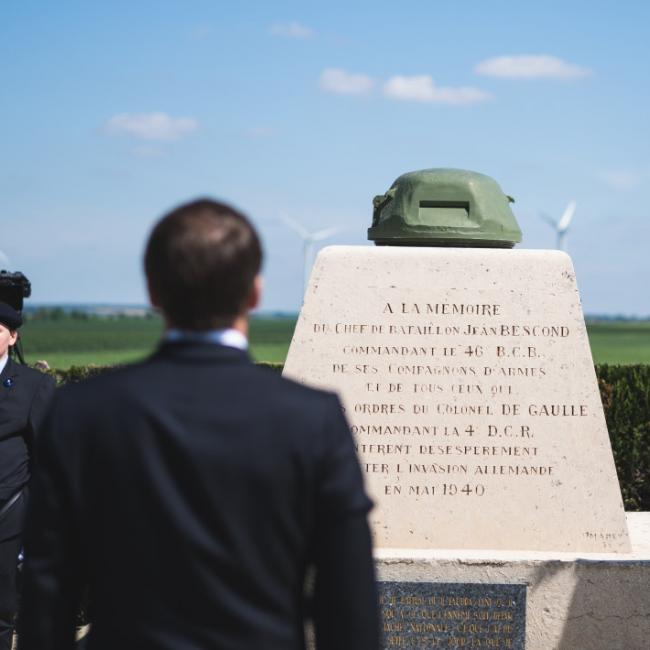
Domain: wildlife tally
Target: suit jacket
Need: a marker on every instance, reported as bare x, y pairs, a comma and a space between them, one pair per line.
192, 492
25, 394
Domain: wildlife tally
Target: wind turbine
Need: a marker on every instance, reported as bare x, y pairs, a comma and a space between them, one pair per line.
561, 226
309, 239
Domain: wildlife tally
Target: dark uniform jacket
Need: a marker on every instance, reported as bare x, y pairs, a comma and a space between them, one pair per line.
191, 493
25, 394
24, 397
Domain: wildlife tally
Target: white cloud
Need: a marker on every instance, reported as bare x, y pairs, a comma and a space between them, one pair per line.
4, 261
422, 88
294, 29
151, 126
340, 82
530, 66
622, 179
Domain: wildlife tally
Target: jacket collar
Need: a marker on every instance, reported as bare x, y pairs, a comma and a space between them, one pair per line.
10, 370
201, 351
7, 377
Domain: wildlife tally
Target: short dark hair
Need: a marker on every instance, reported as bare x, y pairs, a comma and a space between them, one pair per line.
201, 261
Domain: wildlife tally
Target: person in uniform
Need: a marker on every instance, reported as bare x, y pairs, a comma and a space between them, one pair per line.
193, 493
24, 398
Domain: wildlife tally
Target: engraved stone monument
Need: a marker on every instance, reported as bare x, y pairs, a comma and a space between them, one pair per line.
466, 376
465, 372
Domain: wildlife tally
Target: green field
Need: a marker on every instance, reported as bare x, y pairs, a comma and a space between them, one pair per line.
620, 342
68, 341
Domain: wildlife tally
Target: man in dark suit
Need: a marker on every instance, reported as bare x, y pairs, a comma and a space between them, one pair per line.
193, 492
24, 396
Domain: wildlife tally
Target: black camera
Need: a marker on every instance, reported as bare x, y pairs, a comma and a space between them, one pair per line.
14, 287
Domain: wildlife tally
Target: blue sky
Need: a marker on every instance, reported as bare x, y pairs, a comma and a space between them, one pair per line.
113, 113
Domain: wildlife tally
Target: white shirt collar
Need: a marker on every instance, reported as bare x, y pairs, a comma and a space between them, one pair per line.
228, 336
3, 361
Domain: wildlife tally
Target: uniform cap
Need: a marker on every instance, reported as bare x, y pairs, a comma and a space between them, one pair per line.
10, 317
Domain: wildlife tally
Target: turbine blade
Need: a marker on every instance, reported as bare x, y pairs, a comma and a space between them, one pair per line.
295, 226
548, 220
565, 220
326, 233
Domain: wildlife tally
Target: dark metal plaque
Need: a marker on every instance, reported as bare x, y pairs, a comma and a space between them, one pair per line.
453, 615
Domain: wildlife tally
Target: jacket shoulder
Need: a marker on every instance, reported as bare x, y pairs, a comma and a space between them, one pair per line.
104, 382
270, 392
32, 375
294, 390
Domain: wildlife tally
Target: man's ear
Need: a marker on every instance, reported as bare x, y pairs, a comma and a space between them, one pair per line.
13, 337
153, 299
255, 295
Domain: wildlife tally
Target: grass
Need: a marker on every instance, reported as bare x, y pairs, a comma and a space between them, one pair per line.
620, 342
68, 341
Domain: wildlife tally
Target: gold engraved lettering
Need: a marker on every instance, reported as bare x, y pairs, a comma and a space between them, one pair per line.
393, 626
448, 620
427, 627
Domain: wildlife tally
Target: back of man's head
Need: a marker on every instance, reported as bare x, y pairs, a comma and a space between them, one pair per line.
201, 262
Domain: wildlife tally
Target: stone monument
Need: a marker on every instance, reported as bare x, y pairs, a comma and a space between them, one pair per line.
466, 375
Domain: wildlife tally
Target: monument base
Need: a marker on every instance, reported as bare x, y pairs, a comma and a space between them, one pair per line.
573, 601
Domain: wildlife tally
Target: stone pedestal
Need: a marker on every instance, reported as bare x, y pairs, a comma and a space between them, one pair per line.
467, 379
468, 382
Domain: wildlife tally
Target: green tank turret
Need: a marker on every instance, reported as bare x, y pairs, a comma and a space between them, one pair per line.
444, 207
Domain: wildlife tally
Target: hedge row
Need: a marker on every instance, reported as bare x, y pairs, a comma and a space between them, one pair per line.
625, 392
